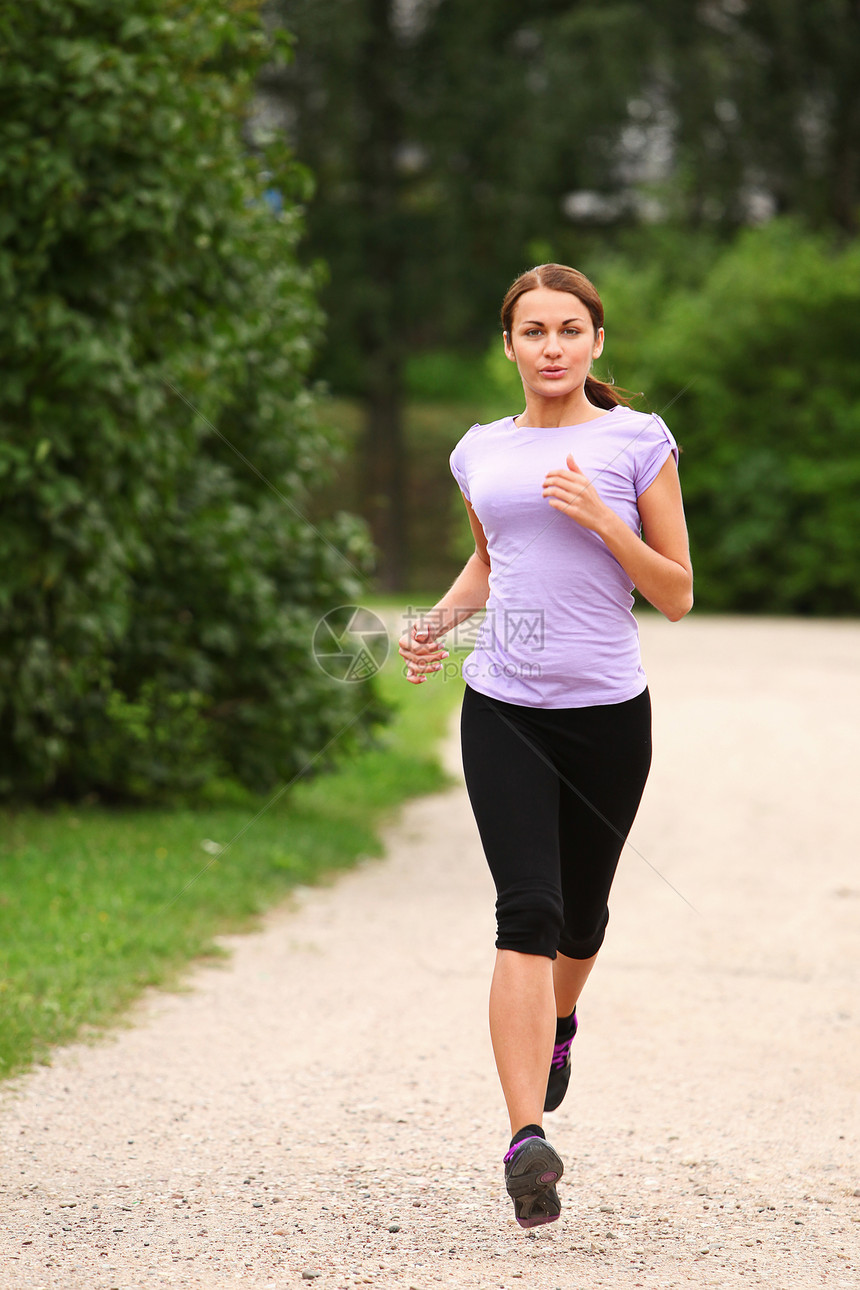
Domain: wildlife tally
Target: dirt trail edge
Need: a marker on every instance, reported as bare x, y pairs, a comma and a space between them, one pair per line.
325, 1108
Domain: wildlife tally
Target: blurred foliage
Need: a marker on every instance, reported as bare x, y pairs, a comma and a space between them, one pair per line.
443, 138
480, 381
158, 593
755, 368
448, 137
456, 142
760, 103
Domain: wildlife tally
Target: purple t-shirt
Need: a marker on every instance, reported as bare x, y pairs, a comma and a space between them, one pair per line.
559, 630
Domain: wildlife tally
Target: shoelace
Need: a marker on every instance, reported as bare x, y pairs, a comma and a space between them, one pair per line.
560, 1053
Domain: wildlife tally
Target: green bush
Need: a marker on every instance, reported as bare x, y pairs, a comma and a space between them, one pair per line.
158, 584
756, 369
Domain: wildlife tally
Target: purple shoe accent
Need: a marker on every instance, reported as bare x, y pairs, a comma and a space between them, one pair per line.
559, 1069
515, 1148
538, 1219
549, 1177
561, 1050
560, 1053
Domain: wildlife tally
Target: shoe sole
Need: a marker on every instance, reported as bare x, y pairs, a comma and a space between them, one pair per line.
531, 1184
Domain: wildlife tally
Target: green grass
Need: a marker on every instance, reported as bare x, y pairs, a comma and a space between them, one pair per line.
96, 904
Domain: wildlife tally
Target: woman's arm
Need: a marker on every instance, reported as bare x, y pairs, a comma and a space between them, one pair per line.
660, 566
466, 595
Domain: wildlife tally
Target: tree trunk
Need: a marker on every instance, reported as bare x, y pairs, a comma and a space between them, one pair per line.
385, 315
383, 474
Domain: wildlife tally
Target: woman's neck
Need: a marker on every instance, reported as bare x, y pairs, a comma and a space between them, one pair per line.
549, 414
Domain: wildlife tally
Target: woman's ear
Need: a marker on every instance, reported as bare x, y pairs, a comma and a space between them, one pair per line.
509, 350
598, 343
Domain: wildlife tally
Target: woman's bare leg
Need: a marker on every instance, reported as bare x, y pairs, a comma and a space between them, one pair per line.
568, 977
522, 1028
528, 992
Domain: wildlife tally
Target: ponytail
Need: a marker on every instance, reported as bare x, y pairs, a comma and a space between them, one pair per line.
607, 395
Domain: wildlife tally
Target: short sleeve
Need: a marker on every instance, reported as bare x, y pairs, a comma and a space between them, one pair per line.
457, 462
652, 450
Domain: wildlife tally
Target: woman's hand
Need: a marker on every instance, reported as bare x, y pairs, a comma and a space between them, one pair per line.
569, 491
422, 652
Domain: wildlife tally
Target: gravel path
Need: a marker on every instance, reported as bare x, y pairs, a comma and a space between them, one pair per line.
325, 1108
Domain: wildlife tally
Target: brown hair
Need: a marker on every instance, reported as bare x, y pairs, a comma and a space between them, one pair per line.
560, 277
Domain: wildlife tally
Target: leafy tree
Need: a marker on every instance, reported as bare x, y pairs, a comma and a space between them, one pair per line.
159, 586
761, 102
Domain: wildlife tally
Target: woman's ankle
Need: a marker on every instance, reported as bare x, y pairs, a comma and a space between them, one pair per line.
528, 1131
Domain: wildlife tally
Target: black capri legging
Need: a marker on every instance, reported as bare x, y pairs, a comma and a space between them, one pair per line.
554, 792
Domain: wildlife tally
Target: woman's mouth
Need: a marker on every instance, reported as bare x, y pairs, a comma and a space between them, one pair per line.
553, 372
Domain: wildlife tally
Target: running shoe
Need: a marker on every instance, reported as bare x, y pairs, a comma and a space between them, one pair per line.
559, 1071
532, 1168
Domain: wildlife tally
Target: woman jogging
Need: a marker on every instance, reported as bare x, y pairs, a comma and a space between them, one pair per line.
556, 718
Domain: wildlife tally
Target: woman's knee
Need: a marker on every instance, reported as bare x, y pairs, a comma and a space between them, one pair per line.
583, 942
529, 917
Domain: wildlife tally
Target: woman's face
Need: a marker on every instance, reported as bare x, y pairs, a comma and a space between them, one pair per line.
552, 342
